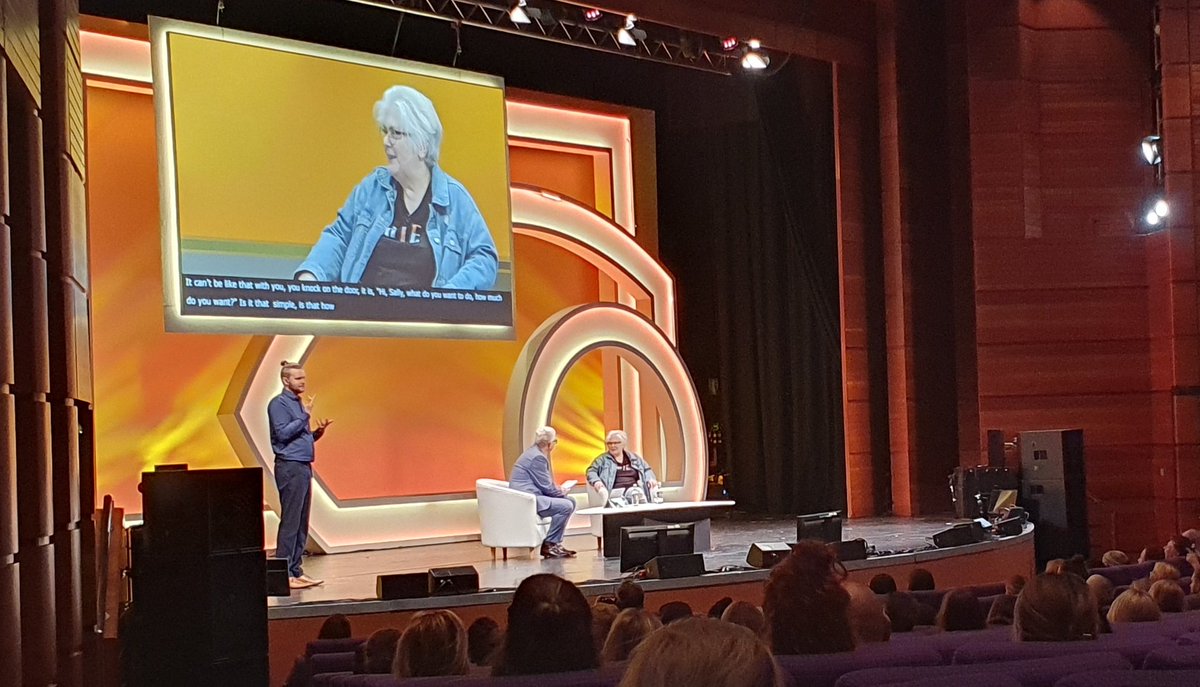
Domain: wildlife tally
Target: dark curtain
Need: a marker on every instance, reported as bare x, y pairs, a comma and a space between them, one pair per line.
761, 253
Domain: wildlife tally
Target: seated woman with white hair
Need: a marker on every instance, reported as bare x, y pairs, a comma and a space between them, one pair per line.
618, 469
408, 224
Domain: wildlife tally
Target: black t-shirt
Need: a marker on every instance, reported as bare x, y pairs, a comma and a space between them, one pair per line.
626, 477
404, 256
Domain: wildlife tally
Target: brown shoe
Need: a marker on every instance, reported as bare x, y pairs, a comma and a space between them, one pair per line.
563, 552
552, 551
299, 583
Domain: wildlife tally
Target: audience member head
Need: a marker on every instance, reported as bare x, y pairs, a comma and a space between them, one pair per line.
806, 607
673, 611
1101, 588
718, 607
1152, 553
483, 638
629, 629
702, 652
549, 629
1014, 585
1056, 566
748, 616
434, 643
1076, 565
1193, 536
1001, 612
1055, 608
336, 626
603, 615
379, 651
1168, 595
1133, 606
1177, 547
903, 610
1163, 571
1114, 557
960, 611
920, 580
1142, 584
882, 583
868, 617
630, 595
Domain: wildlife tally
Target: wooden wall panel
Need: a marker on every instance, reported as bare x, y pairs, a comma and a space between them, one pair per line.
10, 593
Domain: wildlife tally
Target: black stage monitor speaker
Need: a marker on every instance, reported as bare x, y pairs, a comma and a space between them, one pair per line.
463, 579
642, 542
767, 554
1010, 527
826, 527
277, 577
960, 535
852, 550
669, 567
402, 586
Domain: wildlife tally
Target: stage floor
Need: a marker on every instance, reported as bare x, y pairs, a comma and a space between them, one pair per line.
350, 577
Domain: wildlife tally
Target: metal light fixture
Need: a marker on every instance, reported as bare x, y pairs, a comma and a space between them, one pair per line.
754, 59
1152, 149
628, 34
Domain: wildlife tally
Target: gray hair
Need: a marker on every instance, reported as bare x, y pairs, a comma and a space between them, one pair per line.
544, 436
414, 113
617, 435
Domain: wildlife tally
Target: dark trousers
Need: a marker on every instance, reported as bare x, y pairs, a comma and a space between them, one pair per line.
293, 478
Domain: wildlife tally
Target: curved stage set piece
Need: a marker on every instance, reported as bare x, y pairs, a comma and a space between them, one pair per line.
425, 414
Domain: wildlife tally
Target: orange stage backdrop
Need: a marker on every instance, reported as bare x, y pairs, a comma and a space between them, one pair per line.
411, 417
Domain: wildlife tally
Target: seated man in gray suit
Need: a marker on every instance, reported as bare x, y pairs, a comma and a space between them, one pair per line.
532, 474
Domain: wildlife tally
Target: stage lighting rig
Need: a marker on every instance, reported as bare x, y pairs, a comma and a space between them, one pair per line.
588, 27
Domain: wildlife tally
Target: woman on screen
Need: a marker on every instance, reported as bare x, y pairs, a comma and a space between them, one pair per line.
408, 224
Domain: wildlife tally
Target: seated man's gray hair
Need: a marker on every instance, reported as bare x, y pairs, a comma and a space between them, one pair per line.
544, 436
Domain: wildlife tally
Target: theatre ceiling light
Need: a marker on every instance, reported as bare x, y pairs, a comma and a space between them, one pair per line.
1156, 213
583, 26
754, 59
1152, 149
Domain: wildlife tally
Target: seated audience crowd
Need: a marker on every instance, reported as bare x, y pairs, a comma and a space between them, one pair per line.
809, 607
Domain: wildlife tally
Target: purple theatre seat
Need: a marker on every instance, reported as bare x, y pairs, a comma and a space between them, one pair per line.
1134, 648
340, 662
823, 670
1173, 656
332, 646
947, 642
581, 678
1132, 678
1038, 672
326, 679
1188, 639
972, 679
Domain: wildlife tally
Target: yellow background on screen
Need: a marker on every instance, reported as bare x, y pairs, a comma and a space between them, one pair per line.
269, 144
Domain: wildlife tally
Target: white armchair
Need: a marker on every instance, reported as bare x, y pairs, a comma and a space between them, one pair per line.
508, 518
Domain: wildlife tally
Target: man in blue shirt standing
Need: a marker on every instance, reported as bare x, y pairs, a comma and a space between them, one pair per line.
292, 440
531, 474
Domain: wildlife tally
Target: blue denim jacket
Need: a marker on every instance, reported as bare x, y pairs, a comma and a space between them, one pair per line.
604, 469
291, 437
464, 253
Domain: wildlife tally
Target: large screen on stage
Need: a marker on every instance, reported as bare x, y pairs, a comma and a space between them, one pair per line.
312, 190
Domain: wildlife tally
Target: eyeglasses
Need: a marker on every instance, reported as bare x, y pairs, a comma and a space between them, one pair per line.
391, 133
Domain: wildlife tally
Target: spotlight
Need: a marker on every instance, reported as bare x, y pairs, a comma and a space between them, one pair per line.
753, 59
592, 14
729, 43
521, 13
628, 35
1152, 149
1156, 212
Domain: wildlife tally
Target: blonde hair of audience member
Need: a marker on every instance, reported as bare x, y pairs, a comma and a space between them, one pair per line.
1133, 606
1114, 557
603, 616
1055, 608
1101, 588
868, 614
1163, 571
434, 643
1056, 566
1168, 595
629, 629
748, 616
1142, 584
702, 652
